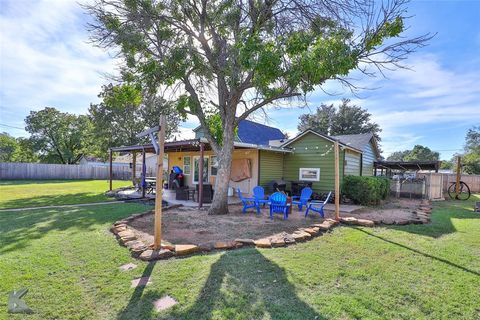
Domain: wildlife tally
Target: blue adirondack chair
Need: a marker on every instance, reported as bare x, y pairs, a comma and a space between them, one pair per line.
303, 198
248, 202
317, 206
278, 204
259, 195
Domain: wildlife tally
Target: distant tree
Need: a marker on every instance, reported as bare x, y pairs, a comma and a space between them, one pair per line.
447, 165
16, 149
348, 119
418, 153
58, 137
471, 159
123, 113
398, 155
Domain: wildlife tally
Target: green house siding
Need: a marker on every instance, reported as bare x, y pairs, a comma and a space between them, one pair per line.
312, 151
352, 163
367, 160
270, 167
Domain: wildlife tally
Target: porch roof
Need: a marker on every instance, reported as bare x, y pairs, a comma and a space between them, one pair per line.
407, 165
194, 145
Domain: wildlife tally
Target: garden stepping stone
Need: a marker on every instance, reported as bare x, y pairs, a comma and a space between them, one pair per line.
184, 249
365, 222
224, 245
128, 266
164, 303
245, 241
349, 220
140, 282
277, 241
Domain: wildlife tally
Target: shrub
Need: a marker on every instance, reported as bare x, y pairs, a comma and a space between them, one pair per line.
365, 190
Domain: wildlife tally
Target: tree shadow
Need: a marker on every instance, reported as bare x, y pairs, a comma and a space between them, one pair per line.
19, 229
441, 219
246, 283
420, 252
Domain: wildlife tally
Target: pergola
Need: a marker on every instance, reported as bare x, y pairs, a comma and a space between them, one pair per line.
406, 165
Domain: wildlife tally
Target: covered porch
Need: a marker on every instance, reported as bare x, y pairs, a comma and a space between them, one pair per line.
191, 155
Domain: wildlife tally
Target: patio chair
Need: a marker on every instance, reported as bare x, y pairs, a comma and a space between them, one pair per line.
248, 202
303, 198
259, 195
317, 206
278, 204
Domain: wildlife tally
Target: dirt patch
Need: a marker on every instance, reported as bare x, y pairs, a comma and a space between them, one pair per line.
190, 225
390, 211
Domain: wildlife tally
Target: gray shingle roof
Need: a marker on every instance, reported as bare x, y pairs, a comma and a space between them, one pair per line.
357, 141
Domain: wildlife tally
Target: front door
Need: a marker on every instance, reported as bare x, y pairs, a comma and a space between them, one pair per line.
196, 161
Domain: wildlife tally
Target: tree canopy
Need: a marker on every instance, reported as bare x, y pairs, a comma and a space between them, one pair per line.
59, 137
346, 119
471, 159
123, 113
234, 57
418, 153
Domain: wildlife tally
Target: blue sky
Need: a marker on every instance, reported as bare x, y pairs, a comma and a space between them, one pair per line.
46, 60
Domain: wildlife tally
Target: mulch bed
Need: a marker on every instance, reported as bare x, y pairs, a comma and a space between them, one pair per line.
187, 231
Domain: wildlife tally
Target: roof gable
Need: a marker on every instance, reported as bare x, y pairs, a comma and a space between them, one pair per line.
360, 141
321, 135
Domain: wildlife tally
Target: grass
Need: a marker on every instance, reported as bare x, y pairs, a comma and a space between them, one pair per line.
69, 261
38, 193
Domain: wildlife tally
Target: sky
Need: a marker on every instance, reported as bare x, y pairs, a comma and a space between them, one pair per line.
47, 60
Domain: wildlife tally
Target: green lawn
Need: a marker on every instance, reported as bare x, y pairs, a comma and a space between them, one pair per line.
30, 193
69, 261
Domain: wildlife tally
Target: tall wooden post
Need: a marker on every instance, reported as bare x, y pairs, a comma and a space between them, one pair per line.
200, 176
337, 181
159, 186
144, 173
111, 169
134, 167
457, 184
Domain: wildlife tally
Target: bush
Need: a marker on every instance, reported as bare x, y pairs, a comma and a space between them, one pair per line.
365, 190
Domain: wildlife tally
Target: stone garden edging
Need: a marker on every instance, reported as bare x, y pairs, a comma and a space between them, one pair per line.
138, 249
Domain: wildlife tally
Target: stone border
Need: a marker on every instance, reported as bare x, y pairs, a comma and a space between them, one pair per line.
139, 250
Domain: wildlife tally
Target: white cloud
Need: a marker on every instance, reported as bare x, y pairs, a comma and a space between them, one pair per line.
46, 60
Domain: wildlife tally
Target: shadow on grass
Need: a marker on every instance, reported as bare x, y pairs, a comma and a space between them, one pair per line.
239, 283
420, 252
18, 229
441, 219
54, 200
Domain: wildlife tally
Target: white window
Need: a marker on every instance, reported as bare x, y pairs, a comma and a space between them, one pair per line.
309, 174
186, 165
214, 165
196, 161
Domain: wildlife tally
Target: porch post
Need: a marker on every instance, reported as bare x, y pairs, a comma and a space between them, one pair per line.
134, 166
200, 177
111, 170
337, 181
143, 173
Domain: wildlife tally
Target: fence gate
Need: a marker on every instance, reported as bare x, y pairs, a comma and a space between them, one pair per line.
434, 186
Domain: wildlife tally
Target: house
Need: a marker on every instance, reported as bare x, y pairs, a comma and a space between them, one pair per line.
261, 154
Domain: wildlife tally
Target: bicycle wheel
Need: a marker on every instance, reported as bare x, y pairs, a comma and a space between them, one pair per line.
451, 191
464, 191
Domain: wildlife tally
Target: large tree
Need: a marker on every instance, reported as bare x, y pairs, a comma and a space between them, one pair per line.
224, 60
124, 112
418, 153
59, 137
471, 159
346, 119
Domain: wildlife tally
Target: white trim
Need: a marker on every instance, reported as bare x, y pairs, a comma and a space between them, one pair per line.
317, 170
193, 168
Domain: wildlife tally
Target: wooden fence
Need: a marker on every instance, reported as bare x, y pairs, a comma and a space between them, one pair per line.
473, 181
40, 171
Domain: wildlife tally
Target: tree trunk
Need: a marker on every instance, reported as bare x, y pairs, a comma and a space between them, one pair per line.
220, 197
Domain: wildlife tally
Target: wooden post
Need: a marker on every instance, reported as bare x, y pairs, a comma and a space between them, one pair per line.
159, 186
337, 182
457, 184
111, 169
134, 166
200, 177
144, 173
